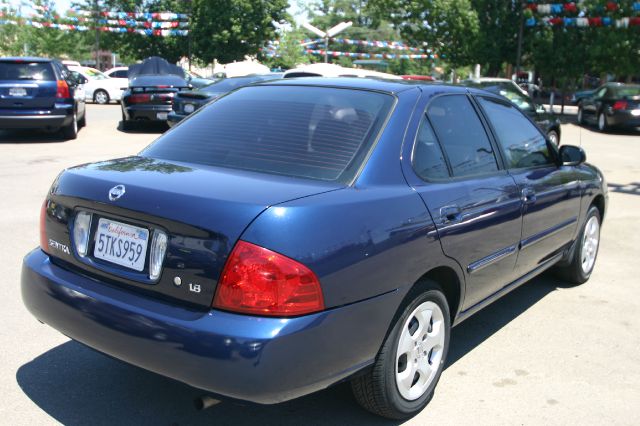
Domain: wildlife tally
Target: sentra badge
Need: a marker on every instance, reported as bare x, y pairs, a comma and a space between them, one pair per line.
59, 246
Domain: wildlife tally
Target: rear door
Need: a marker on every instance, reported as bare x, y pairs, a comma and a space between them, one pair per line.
27, 84
475, 204
550, 193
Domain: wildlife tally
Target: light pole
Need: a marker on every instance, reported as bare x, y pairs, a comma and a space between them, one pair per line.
326, 35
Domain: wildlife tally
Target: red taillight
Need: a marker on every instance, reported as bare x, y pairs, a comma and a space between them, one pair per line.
139, 98
620, 105
259, 281
44, 242
63, 90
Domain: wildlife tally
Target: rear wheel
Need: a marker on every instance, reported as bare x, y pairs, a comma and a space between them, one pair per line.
585, 253
83, 120
580, 115
101, 97
603, 126
71, 130
126, 124
410, 362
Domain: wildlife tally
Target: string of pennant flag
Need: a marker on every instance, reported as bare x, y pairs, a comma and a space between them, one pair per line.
393, 45
578, 14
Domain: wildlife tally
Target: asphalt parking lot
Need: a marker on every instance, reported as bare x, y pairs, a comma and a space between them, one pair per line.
545, 354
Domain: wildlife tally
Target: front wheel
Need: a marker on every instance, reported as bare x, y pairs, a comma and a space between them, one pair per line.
403, 378
584, 255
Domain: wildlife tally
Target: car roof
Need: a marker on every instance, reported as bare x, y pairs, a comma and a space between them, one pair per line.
26, 59
377, 84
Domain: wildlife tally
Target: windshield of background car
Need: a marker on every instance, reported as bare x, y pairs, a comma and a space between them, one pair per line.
308, 132
520, 100
229, 84
26, 71
626, 92
94, 74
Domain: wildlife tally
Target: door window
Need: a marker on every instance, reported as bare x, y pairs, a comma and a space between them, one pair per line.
523, 144
462, 136
428, 160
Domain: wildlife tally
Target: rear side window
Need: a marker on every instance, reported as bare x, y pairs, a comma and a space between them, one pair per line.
462, 136
309, 132
523, 144
119, 74
428, 160
42, 71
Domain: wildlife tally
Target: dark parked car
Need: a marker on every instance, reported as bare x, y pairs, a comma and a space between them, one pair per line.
41, 93
184, 103
549, 123
152, 86
297, 233
613, 105
579, 95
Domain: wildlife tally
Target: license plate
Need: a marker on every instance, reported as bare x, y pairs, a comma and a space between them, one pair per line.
121, 244
162, 115
18, 91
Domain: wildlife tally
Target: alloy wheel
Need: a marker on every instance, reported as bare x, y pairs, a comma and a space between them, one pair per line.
590, 242
420, 350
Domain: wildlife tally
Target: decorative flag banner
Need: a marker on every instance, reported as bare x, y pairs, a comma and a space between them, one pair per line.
394, 45
335, 54
576, 7
555, 14
598, 21
67, 27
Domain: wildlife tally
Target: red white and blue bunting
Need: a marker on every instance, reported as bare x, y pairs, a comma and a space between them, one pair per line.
578, 14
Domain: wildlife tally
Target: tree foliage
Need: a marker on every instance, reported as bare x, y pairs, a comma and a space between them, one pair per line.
449, 27
228, 30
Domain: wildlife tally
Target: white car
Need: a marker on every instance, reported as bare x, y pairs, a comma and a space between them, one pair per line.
101, 88
118, 72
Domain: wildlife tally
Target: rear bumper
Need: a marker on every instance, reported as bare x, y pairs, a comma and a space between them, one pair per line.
623, 119
146, 112
263, 360
51, 119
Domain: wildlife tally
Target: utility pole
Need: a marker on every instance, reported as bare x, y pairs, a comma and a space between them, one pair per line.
189, 29
96, 12
326, 35
520, 35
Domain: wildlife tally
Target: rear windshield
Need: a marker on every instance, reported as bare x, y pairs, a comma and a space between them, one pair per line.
308, 132
626, 92
26, 71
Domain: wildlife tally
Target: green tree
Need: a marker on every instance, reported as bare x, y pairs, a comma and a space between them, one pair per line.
232, 29
289, 52
449, 27
497, 37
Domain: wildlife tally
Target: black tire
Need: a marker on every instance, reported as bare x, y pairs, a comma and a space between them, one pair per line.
70, 131
83, 120
101, 97
377, 390
573, 272
126, 125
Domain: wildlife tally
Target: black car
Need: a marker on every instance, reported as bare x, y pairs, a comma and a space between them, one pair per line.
612, 105
152, 86
547, 122
41, 93
184, 103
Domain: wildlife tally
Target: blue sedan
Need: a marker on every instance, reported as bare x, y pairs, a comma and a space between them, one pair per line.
298, 233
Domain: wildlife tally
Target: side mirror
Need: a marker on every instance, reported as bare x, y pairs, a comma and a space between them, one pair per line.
571, 155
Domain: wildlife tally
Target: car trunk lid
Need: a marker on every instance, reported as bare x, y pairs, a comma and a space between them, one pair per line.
27, 85
203, 210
